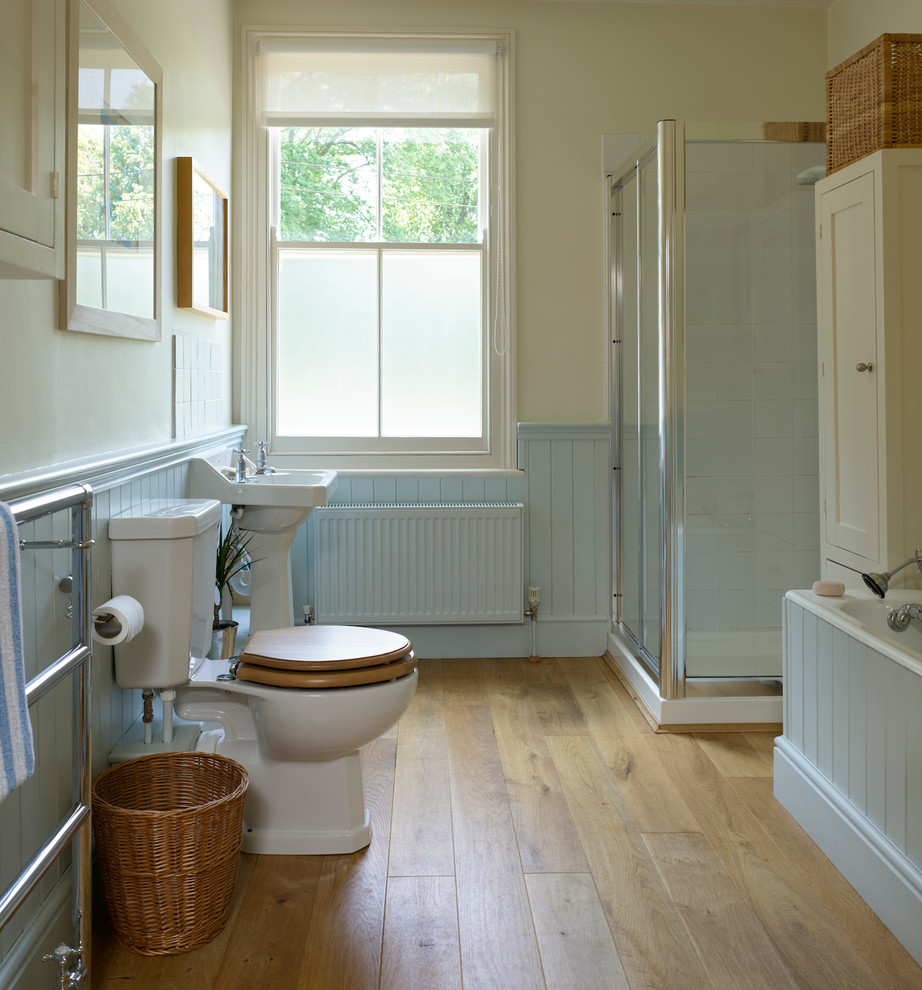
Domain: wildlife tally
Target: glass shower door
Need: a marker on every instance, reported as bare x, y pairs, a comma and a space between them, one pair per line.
636, 391
752, 469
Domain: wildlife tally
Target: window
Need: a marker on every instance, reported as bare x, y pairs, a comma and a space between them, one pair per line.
387, 330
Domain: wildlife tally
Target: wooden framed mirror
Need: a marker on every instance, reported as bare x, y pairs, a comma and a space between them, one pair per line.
112, 280
201, 241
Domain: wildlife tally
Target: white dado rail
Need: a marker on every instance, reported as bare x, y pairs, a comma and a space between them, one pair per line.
112, 470
849, 765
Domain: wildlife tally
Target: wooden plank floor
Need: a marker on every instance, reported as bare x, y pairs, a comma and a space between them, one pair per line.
531, 831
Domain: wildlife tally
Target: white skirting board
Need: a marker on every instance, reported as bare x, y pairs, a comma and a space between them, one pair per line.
889, 882
564, 636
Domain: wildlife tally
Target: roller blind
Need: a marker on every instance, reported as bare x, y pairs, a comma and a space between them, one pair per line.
378, 81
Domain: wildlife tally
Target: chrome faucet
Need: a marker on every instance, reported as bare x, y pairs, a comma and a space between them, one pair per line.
240, 466
898, 619
878, 583
262, 453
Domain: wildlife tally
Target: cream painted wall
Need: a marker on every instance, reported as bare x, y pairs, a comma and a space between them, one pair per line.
856, 23
584, 70
65, 396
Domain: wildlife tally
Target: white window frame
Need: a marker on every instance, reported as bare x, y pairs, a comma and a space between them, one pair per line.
255, 333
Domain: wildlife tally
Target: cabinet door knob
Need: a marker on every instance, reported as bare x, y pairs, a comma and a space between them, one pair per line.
861, 366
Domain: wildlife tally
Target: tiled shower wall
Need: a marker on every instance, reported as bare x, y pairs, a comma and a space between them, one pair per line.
751, 379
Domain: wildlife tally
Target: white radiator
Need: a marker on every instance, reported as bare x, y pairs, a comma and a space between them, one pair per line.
416, 564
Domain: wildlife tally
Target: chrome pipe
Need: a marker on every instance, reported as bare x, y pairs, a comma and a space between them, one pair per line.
54, 673
55, 544
671, 375
36, 868
82, 845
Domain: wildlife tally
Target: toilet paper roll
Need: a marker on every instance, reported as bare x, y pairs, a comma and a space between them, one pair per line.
118, 620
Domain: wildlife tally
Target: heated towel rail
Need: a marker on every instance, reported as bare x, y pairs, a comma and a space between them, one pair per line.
74, 827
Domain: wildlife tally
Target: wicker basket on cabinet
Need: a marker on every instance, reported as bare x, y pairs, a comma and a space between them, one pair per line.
874, 100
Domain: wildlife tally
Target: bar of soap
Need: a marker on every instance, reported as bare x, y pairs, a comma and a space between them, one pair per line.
829, 589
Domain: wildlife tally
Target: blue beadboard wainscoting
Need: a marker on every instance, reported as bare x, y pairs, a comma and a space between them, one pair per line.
564, 486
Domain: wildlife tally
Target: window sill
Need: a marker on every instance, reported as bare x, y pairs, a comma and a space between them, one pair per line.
354, 472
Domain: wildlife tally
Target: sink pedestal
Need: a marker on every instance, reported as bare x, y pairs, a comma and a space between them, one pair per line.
271, 605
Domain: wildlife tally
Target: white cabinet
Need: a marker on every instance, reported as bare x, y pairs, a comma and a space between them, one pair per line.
32, 125
869, 271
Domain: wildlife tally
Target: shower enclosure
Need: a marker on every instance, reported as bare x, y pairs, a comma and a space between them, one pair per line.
714, 403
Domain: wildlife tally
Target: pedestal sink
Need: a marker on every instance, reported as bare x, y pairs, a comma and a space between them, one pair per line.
270, 507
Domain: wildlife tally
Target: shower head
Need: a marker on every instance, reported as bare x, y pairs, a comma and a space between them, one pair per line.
878, 583
810, 176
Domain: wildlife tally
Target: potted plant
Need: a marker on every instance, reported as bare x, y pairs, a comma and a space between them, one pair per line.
231, 558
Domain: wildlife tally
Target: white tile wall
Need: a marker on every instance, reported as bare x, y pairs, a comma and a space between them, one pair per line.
751, 428
198, 385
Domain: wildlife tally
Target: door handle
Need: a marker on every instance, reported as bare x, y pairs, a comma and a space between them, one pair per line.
861, 366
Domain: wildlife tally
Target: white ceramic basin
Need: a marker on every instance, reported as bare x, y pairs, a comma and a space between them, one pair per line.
270, 507
294, 488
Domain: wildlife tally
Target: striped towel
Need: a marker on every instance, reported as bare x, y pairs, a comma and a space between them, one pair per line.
17, 759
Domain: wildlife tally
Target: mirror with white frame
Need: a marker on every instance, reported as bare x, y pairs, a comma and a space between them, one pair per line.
112, 284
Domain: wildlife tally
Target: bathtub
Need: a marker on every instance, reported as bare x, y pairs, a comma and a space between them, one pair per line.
848, 765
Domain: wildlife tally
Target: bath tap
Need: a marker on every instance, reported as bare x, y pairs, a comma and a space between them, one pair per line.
878, 583
240, 466
262, 453
898, 619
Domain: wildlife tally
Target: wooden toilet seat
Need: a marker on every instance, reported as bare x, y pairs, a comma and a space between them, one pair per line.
325, 657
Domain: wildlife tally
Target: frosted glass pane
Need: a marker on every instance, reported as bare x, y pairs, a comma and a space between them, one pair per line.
130, 280
89, 277
327, 343
201, 276
431, 344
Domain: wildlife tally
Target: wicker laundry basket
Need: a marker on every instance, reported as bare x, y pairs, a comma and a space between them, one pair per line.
168, 829
874, 100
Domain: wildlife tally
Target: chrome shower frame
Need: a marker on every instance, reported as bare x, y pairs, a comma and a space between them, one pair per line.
669, 668
671, 232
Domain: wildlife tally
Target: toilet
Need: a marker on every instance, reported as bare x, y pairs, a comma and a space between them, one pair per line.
294, 709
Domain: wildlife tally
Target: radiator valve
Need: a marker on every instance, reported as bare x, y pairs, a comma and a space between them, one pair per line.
534, 600
71, 971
